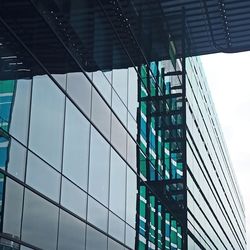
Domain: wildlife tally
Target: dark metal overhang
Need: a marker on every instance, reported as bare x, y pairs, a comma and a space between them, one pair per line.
212, 26
108, 34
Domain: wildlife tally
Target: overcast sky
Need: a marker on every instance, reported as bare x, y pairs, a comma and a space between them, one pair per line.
229, 81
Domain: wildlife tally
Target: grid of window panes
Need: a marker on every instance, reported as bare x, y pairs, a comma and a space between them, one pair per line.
68, 174
68, 154
215, 209
60, 171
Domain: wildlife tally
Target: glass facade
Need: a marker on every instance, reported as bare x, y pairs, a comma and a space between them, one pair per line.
99, 150
215, 208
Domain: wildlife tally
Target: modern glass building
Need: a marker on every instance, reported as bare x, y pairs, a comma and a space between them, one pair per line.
108, 134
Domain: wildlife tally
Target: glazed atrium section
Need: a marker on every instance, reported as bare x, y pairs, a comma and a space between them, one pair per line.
108, 134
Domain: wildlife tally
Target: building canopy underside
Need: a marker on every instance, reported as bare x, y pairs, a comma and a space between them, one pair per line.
117, 34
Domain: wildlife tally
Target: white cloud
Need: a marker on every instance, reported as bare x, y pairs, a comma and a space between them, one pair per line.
229, 82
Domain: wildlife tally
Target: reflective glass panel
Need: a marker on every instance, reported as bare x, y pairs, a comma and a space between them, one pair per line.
46, 125
120, 83
119, 108
97, 214
132, 92
113, 245
40, 221
118, 136
117, 184
20, 110
95, 240
100, 114
116, 227
130, 237
99, 167
103, 85
17, 159
61, 79
132, 126
71, 232
12, 208
42, 177
131, 197
131, 152
25, 248
73, 198
79, 88
76, 146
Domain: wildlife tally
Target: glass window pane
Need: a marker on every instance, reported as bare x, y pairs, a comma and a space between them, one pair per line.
12, 208
118, 136
79, 88
117, 184
103, 85
76, 146
97, 214
131, 152
108, 75
61, 79
4, 148
132, 126
100, 114
46, 125
71, 232
113, 245
7, 90
17, 159
131, 197
95, 240
25, 248
120, 83
20, 110
119, 108
42, 177
40, 221
116, 227
130, 237
99, 167
73, 198
132, 92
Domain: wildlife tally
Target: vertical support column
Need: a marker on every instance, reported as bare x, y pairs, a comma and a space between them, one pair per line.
183, 62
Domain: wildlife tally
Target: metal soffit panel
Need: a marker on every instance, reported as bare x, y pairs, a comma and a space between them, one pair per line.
211, 25
113, 33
